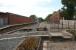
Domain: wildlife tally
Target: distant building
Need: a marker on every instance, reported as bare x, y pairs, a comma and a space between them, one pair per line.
55, 18
10, 18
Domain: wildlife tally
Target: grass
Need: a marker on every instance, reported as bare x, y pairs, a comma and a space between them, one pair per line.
31, 43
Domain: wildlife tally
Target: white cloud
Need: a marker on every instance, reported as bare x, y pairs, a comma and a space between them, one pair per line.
26, 7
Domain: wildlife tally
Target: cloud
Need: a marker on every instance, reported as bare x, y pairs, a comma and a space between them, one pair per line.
27, 7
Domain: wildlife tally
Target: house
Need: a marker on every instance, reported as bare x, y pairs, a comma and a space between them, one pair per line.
55, 18
10, 19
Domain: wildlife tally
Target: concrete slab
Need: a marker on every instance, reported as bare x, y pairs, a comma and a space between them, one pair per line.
63, 34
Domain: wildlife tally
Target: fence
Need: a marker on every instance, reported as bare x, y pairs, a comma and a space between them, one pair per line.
64, 24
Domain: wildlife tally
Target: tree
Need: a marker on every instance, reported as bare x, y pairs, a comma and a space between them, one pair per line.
48, 17
40, 19
64, 14
69, 8
33, 17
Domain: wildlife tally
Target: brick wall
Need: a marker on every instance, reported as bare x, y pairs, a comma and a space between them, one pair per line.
55, 18
10, 18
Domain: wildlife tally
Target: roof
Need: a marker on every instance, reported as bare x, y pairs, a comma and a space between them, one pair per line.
3, 13
8, 13
17, 15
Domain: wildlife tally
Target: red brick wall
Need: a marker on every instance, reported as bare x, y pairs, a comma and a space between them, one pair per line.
55, 18
13, 19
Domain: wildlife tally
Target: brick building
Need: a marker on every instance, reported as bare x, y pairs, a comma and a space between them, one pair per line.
55, 18
10, 18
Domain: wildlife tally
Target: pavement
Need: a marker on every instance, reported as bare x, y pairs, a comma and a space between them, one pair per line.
68, 45
10, 41
24, 34
10, 44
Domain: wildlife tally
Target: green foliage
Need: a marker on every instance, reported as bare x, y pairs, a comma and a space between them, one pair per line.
48, 17
34, 17
67, 3
40, 19
69, 11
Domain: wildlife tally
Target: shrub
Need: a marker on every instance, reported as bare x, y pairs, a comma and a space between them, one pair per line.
30, 43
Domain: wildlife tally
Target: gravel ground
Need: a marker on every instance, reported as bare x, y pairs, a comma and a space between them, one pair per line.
9, 44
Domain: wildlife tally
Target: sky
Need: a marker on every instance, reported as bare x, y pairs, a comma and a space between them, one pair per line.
40, 8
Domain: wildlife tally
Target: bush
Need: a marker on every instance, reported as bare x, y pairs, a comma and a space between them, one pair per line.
30, 43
